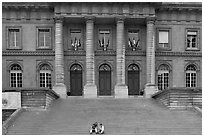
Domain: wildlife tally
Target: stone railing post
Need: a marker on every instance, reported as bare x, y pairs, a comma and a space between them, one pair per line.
59, 87
121, 90
150, 87
90, 89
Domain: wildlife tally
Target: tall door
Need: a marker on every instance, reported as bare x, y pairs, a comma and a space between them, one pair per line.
133, 80
104, 80
76, 80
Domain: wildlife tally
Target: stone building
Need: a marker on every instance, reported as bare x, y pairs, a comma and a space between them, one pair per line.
101, 49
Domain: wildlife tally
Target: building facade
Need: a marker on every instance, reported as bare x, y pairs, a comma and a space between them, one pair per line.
102, 49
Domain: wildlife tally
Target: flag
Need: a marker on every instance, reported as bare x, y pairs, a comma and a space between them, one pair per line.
107, 43
129, 43
99, 42
72, 43
138, 42
102, 42
134, 42
79, 43
75, 41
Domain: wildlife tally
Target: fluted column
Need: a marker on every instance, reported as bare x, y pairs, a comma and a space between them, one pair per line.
59, 87
121, 90
90, 90
150, 59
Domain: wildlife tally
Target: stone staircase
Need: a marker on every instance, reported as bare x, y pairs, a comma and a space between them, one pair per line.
137, 116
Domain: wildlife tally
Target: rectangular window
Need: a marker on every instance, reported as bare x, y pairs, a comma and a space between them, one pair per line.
14, 38
133, 39
190, 79
192, 38
44, 38
163, 80
76, 38
16, 79
104, 38
45, 79
163, 38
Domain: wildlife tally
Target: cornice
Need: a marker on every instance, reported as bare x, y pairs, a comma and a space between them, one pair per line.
28, 53
100, 53
187, 6
105, 53
75, 53
179, 54
27, 5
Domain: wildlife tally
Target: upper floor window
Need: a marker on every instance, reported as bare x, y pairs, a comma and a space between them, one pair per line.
76, 38
44, 38
14, 38
163, 39
192, 39
133, 39
104, 38
191, 76
15, 76
45, 76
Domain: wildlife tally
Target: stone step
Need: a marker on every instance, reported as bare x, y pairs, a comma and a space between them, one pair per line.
120, 116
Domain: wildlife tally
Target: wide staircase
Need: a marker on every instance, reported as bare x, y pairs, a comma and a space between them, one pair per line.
138, 116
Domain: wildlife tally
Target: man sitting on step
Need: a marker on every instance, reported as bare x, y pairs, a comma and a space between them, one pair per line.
94, 128
101, 129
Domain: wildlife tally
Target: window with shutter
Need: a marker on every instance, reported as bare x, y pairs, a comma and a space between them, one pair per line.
14, 38
163, 38
44, 38
192, 39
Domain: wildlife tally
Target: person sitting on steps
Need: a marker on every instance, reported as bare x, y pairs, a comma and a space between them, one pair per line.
101, 129
94, 128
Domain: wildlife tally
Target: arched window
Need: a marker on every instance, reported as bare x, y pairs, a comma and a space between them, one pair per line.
163, 77
45, 76
105, 67
76, 67
191, 76
133, 67
15, 76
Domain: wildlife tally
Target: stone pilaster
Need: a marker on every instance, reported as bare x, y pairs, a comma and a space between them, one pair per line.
121, 90
59, 87
150, 87
90, 89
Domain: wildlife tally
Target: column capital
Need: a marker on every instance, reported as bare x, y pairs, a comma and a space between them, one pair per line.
120, 19
59, 19
89, 18
150, 20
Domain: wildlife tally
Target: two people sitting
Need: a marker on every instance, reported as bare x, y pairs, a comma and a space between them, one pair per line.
98, 129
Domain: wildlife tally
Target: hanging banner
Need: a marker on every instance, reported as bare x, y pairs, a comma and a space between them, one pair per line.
11, 100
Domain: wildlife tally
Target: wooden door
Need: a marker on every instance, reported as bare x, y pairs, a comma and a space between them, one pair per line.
76, 82
133, 83
104, 80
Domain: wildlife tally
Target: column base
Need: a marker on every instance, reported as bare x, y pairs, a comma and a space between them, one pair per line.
149, 90
61, 90
121, 91
90, 91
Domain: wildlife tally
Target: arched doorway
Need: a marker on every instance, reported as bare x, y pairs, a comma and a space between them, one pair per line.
133, 79
76, 80
104, 80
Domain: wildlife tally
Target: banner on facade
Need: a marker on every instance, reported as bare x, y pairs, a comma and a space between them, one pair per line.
11, 100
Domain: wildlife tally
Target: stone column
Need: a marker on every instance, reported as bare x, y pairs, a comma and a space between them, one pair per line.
150, 87
59, 87
121, 90
90, 89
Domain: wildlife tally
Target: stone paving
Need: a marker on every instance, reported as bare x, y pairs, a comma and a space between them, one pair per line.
133, 116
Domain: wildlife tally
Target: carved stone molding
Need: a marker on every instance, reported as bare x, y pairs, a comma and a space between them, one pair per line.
105, 53
99, 53
28, 53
